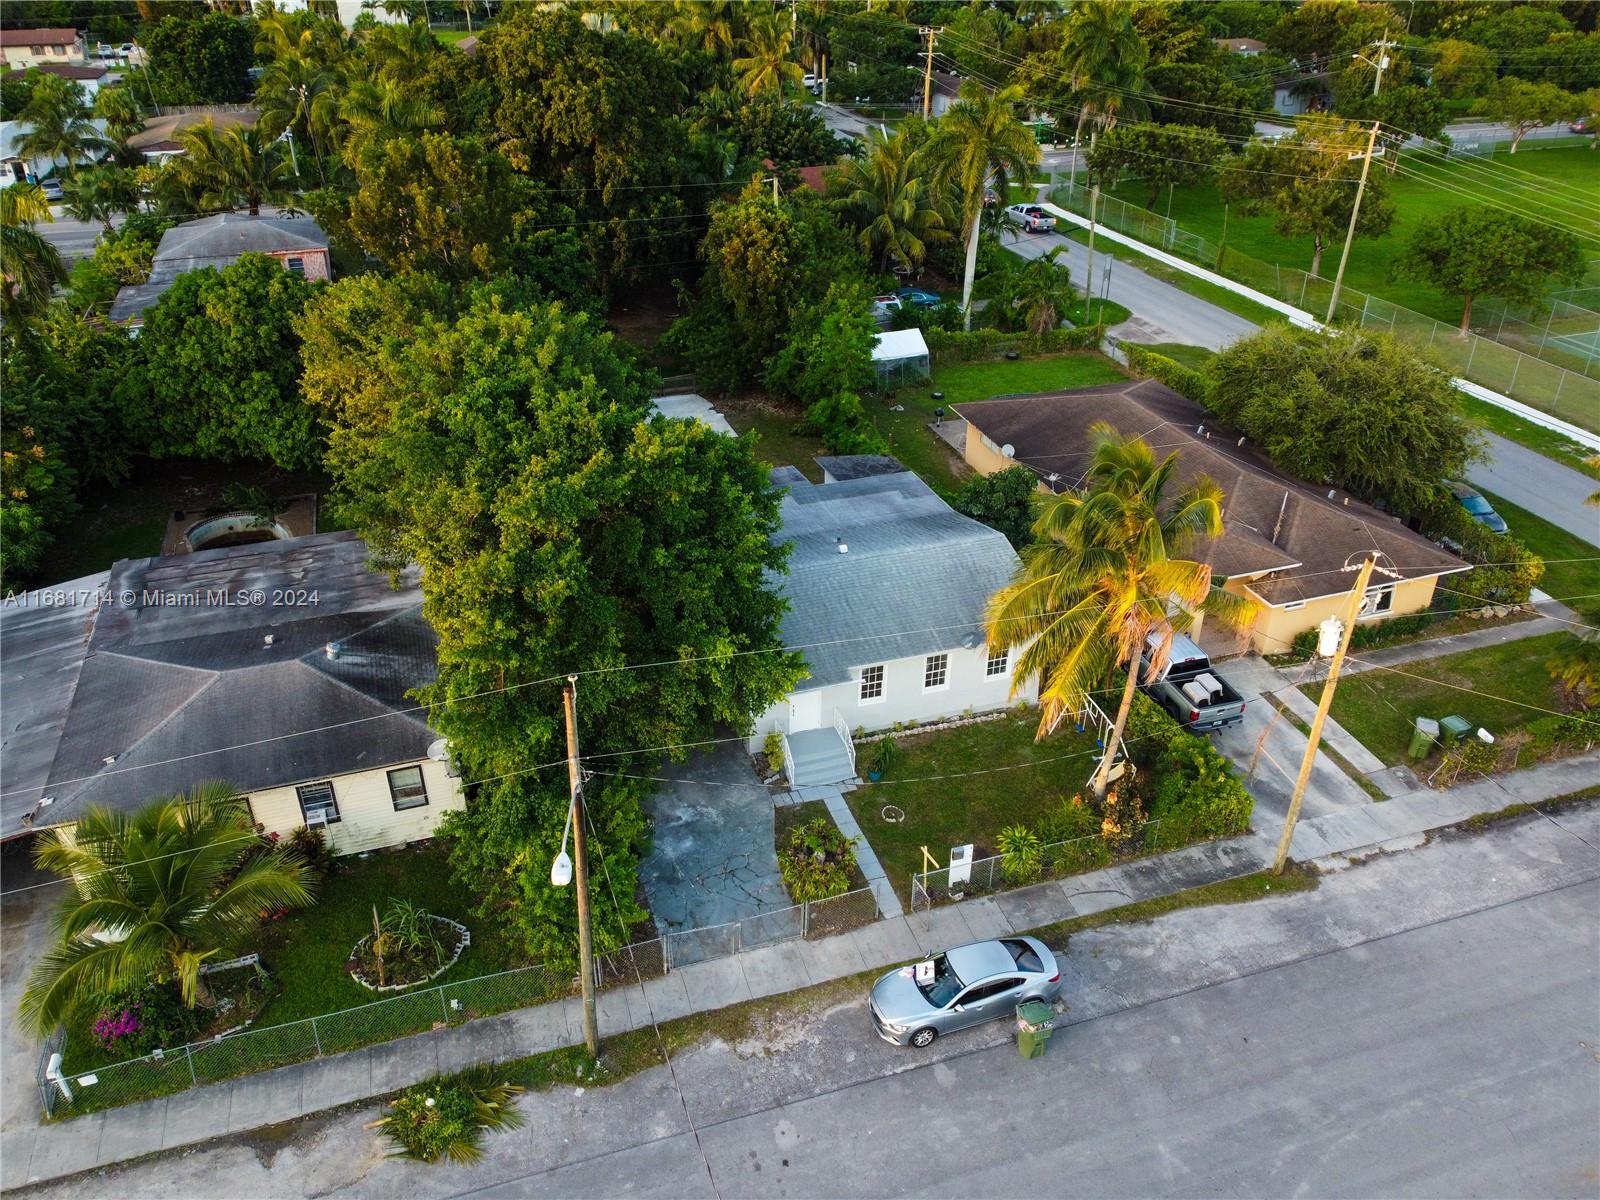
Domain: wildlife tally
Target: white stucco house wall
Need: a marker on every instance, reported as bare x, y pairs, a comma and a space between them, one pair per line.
282, 667
887, 587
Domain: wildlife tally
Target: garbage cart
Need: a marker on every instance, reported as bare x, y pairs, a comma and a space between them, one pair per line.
1034, 1026
1453, 730
1424, 733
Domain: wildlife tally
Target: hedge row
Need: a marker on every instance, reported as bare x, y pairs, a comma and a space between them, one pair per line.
1184, 380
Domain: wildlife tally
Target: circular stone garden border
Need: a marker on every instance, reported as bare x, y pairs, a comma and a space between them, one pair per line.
466, 940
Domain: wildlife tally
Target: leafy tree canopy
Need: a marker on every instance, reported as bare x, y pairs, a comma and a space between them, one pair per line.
1003, 501
1368, 414
1197, 94
200, 59
1160, 155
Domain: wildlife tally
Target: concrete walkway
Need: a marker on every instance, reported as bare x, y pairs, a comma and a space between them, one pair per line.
99, 1139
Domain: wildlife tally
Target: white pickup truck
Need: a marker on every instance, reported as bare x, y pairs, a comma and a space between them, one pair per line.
1192, 690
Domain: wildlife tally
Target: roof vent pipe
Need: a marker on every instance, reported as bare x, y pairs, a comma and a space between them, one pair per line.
332, 650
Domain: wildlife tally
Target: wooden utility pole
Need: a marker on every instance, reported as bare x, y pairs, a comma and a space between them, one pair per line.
1352, 611
1383, 61
1355, 212
580, 866
1088, 278
927, 71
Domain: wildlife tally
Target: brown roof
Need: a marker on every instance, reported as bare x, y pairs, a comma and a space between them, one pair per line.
161, 133
62, 70
38, 37
1291, 537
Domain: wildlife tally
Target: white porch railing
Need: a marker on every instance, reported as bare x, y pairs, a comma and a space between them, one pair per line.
843, 731
788, 761
1091, 715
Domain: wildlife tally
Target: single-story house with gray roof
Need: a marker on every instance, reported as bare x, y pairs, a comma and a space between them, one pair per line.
887, 588
283, 667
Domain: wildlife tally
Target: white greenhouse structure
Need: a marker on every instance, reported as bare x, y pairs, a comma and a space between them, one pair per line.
900, 358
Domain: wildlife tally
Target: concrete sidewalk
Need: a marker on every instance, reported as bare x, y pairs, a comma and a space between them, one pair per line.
114, 1135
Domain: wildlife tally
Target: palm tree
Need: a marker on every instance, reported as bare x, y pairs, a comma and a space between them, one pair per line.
715, 26
30, 267
887, 199
100, 193
1044, 291
153, 895
1102, 58
299, 95
57, 120
1102, 579
766, 64
381, 109
120, 109
229, 168
1576, 667
979, 142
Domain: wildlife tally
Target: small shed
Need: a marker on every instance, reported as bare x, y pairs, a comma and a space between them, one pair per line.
900, 358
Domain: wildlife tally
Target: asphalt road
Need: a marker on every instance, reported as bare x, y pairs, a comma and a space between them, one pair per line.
1541, 485
75, 239
1424, 1023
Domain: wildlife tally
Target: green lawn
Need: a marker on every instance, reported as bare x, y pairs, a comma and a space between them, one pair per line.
1524, 181
1500, 688
1571, 565
965, 382
1525, 433
1107, 312
451, 36
946, 812
306, 950
1193, 357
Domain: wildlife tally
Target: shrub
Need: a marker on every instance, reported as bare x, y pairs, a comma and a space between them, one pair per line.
772, 750
1150, 729
312, 846
817, 861
1471, 757
1021, 854
1200, 795
446, 1117
1504, 570
1003, 501
952, 346
1184, 380
137, 1020
884, 753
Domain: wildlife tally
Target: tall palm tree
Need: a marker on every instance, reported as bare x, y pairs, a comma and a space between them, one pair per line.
100, 193
381, 109
1044, 291
888, 200
120, 109
1102, 59
1575, 665
1103, 577
153, 895
232, 168
979, 142
58, 126
715, 26
766, 64
300, 95
30, 267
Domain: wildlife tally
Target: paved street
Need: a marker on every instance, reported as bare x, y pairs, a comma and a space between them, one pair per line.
1424, 1023
1541, 485
75, 239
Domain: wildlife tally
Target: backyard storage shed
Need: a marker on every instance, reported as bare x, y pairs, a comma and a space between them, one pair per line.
900, 358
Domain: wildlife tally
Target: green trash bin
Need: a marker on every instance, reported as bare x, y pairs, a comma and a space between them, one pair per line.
1453, 729
1034, 1026
1424, 733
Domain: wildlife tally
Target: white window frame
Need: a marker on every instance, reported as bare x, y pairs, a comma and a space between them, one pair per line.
990, 671
422, 783
943, 669
861, 693
1382, 603
331, 812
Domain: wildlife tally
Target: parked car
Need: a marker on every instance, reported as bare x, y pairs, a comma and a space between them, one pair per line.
1581, 125
1032, 218
916, 297
884, 307
1191, 689
51, 189
1479, 509
811, 83
981, 981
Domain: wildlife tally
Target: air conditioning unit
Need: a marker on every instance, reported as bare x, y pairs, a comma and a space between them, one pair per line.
317, 818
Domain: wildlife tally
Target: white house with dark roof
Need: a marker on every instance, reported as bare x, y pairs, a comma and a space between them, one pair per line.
283, 667
887, 588
23, 48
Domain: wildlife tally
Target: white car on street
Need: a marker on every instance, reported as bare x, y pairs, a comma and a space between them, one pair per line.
1032, 218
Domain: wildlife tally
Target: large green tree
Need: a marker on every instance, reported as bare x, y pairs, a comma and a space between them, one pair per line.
1104, 575
201, 59
151, 896
217, 372
560, 529
890, 202
1365, 413
979, 144
765, 63
1474, 251
235, 167
1526, 106
1308, 182
1160, 155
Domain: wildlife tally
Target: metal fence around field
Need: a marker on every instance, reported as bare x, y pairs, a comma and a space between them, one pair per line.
1552, 377
249, 1050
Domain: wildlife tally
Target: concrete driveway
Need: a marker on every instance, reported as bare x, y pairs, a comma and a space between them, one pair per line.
25, 928
711, 859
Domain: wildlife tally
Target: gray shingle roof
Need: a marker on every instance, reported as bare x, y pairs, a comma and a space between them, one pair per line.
914, 571
164, 686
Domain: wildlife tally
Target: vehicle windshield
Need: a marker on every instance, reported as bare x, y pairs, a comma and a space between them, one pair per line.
1476, 505
945, 986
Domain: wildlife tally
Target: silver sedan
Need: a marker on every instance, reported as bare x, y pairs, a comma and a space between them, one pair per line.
971, 984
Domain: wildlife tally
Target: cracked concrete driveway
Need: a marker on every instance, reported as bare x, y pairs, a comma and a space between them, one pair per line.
711, 860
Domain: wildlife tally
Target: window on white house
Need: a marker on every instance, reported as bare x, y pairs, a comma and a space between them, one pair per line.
1377, 601
935, 671
318, 798
297, 266
999, 660
872, 683
406, 788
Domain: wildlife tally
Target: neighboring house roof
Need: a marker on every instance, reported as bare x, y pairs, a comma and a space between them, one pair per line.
1241, 45
166, 689
61, 70
815, 178
1272, 523
216, 241
38, 37
160, 130
913, 570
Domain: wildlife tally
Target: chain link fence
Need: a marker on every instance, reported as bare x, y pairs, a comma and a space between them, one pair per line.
1056, 860
813, 919
1553, 377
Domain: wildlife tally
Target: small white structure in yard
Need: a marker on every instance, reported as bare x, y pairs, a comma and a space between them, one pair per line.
887, 587
900, 358
687, 406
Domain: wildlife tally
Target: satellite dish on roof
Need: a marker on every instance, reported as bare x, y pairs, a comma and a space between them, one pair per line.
439, 751
1008, 450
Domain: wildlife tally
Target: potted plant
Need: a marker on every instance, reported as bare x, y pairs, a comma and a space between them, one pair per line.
884, 752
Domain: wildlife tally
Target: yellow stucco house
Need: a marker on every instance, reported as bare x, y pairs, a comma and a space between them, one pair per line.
281, 666
1289, 546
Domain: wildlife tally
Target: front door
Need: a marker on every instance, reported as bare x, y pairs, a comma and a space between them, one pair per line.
805, 711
